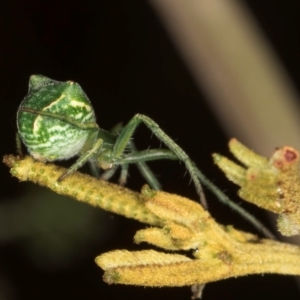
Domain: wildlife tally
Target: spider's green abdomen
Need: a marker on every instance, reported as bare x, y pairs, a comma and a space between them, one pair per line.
48, 138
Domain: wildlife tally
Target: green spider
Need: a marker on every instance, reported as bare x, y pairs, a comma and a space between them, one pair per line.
56, 121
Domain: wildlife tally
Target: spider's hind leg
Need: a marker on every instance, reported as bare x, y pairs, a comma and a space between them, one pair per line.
19, 145
108, 174
124, 174
94, 169
145, 170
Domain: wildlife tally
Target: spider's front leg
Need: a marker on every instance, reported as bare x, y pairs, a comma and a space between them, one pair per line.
83, 158
176, 152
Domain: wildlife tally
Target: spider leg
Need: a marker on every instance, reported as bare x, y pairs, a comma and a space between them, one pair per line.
19, 145
125, 135
83, 159
236, 207
141, 165
141, 157
124, 174
94, 168
145, 170
109, 173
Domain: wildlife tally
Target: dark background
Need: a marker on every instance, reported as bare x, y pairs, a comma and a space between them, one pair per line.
122, 57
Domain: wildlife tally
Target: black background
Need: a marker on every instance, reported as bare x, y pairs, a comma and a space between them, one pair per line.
123, 58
